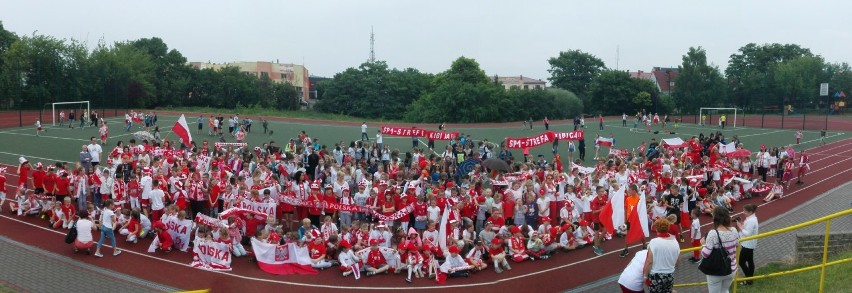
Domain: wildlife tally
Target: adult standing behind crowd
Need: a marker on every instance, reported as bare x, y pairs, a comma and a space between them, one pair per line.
633, 277
748, 227
662, 258
729, 238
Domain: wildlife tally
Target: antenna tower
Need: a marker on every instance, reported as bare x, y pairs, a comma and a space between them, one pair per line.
372, 43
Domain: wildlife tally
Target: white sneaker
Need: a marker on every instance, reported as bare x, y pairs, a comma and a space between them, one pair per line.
98, 254
116, 253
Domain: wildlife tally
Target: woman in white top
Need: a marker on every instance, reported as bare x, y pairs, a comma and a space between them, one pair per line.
631, 279
108, 223
662, 258
84, 228
729, 238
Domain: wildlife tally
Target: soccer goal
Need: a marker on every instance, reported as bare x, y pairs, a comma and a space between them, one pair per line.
713, 116
79, 108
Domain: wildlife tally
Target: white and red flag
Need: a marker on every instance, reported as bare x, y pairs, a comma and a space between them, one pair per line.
181, 129
603, 141
285, 259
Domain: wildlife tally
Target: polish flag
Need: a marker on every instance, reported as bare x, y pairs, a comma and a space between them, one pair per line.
285, 259
727, 148
638, 219
182, 130
607, 142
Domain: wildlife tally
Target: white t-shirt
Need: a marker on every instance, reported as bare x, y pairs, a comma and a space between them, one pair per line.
95, 151
363, 128
157, 196
665, 253
632, 277
433, 212
84, 230
106, 218
146, 187
695, 229
378, 136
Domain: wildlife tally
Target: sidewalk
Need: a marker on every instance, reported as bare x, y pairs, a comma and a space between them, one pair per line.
29, 269
778, 248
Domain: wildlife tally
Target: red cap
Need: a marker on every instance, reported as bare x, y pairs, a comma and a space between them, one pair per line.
427, 247
412, 246
565, 227
496, 241
515, 229
345, 244
480, 199
584, 223
454, 249
545, 219
374, 241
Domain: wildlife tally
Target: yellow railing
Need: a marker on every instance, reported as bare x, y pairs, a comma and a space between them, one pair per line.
822, 266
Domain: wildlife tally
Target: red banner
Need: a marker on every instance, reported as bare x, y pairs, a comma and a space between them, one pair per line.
534, 141
441, 135
573, 135
401, 131
433, 135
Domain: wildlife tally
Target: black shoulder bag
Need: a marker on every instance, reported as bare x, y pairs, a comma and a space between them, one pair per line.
717, 263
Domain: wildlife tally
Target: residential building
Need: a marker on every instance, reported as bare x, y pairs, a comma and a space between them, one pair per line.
294, 74
664, 78
520, 82
640, 75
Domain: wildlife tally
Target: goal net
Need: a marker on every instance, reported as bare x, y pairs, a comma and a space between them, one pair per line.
61, 112
715, 116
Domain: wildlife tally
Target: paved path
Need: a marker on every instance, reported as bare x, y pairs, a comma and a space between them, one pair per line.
29, 269
771, 249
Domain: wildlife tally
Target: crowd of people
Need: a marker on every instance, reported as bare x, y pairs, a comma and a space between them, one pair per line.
404, 198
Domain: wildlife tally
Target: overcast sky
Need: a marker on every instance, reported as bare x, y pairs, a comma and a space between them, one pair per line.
506, 37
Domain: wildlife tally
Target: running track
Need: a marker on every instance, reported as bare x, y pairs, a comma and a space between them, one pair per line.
831, 165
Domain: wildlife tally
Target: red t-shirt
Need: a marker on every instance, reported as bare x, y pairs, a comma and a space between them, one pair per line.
375, 258
49, 183
597, 203
420, 209
495, 251
38, 178
509, 208
316, 250
131, 226
23, 174
497, 222
62, 185
69, 210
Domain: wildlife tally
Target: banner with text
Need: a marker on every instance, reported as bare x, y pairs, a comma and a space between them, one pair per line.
211, 255
433, 135
546, 137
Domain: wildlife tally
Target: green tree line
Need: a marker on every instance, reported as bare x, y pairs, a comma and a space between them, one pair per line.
38, 70
145, 73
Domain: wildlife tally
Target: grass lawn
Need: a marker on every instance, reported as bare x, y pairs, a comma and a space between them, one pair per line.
63, 144
837, 278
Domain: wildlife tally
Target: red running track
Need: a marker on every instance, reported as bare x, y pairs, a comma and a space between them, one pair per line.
830, 168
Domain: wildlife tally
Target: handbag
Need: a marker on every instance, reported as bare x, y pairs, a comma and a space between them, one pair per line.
717, 263
72, 234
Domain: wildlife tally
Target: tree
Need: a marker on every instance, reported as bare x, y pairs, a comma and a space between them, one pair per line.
612, 92
642, 100
373, 91
698, 83
462, 94
750, 71
574, 70
797, 81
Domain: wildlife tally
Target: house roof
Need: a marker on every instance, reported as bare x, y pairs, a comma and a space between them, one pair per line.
640, 74
518, 80
662, 76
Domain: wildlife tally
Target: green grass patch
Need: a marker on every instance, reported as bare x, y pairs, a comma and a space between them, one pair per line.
837, 278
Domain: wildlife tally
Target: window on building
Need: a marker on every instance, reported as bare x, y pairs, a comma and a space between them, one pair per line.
526, 87
264, 74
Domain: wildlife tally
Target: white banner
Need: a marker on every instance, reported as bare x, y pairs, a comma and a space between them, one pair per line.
180, 232
260, 207
210, 255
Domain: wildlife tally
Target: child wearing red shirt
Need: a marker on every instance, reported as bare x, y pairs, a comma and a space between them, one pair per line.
62, 187
68, 213
498, 255
517, 245
376, 262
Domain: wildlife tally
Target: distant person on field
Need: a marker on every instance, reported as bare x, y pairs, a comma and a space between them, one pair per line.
265, 124
624, 120
600, 121
71, 119
364, 131
546, 123
39, 129
61, 118
200, 123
